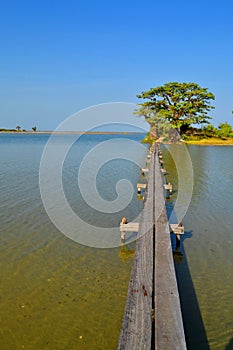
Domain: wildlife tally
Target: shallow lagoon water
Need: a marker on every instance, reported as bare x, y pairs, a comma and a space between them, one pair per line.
54, 292
58, 294
205, 273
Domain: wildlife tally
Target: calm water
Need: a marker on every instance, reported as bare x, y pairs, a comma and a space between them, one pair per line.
54, 292
58, 294
205, 272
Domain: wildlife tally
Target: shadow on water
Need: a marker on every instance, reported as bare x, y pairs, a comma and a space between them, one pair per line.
193, 324
230, 345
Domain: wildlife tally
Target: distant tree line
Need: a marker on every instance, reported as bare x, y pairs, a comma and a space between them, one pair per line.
223, 131
18, 128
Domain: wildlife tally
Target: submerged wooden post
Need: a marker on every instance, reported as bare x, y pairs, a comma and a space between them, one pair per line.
123, 222
177, 229
141, 187
145, 171
163, 171
168, 187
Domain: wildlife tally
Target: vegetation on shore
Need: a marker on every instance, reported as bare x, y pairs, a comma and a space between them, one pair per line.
17, 129
10, 130
174, 112
208, 134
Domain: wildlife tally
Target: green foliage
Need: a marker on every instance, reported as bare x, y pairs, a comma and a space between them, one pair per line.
176, 103
34, 128
148, 139
225, 130
209, 131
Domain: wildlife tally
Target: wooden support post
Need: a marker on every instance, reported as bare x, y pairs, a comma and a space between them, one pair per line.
144, 171
168, 187
123, 222
128, 227
163, 171
141, 187
177, 229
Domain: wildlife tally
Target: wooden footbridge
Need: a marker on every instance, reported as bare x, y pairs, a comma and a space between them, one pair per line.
152, 318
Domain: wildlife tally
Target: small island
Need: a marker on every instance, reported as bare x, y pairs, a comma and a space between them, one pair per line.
178, 112
175, 112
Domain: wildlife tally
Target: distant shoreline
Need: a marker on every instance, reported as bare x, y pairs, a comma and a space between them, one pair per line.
73, 132
210, 142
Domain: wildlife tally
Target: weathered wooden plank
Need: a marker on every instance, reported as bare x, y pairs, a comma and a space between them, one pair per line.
176, 229
131, 226
169, 332
136, 331
143, 186
152, 285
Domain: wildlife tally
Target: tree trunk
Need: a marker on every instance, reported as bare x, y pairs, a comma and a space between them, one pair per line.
154, 132
174, 135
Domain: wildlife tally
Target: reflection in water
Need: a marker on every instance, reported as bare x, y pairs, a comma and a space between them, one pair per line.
194, 328
230, 345
204, 275
125, 254
140, 197
177, 254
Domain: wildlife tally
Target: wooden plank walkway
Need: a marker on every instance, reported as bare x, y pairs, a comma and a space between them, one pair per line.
152, 318
169, 332
136, 331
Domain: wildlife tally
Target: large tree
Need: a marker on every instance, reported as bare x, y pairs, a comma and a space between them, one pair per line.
180, 104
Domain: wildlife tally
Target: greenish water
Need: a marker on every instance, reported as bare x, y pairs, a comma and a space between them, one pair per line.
205, 273
54, 292
58, 294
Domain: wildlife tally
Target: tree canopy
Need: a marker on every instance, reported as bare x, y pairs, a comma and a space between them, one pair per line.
179, 104
225, 129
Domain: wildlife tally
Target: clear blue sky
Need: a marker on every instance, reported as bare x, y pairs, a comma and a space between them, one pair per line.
58, 57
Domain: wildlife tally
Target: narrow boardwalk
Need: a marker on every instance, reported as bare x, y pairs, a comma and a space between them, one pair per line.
152, 318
